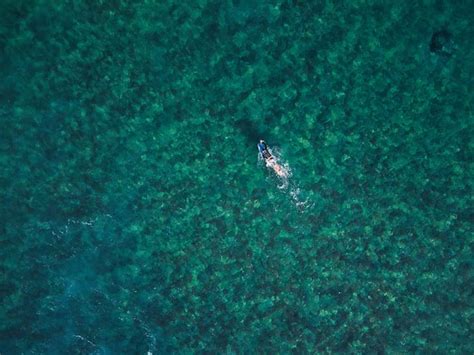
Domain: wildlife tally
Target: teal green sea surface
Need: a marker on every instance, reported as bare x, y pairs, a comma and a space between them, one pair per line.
136, 216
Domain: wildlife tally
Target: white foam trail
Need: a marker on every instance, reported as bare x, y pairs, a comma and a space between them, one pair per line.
286, 183
295, 193
84, 339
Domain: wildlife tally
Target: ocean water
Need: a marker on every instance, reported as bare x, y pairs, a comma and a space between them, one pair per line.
136, 216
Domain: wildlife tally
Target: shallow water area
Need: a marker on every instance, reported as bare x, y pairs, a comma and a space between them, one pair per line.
137, 218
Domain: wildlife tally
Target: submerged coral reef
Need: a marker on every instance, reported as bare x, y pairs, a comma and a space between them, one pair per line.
135, 216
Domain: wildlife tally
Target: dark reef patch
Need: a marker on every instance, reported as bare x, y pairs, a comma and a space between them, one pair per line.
442, 43
250, 130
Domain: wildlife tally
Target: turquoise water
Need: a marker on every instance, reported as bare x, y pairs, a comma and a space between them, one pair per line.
136, 215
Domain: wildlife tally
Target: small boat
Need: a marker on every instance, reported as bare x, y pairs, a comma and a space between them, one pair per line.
270, 160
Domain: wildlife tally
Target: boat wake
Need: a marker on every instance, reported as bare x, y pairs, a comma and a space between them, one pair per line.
283, 173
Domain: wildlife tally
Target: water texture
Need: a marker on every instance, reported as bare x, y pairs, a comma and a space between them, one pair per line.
137, 217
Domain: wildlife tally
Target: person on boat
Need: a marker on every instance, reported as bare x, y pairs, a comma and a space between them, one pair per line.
270, 160
263, 149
